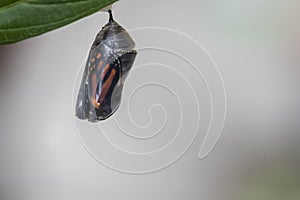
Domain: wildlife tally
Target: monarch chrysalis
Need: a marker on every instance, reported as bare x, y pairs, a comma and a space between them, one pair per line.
110, 59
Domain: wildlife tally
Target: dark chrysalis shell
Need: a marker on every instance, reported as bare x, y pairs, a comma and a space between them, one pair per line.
110, 59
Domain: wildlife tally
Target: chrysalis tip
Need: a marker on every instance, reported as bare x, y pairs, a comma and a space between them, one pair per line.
110, 15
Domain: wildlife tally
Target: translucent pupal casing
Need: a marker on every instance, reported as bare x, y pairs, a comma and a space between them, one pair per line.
111, 57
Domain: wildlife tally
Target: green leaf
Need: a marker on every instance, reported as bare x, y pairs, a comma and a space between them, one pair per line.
22, 19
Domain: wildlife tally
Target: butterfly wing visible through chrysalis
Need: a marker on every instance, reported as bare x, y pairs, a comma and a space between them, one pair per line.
101, 77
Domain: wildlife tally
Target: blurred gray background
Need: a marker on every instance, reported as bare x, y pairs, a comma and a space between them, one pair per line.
256, 46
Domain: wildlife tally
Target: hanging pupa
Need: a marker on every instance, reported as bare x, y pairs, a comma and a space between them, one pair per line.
110, 58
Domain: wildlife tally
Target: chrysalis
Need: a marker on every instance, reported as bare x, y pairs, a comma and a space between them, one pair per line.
111, 57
